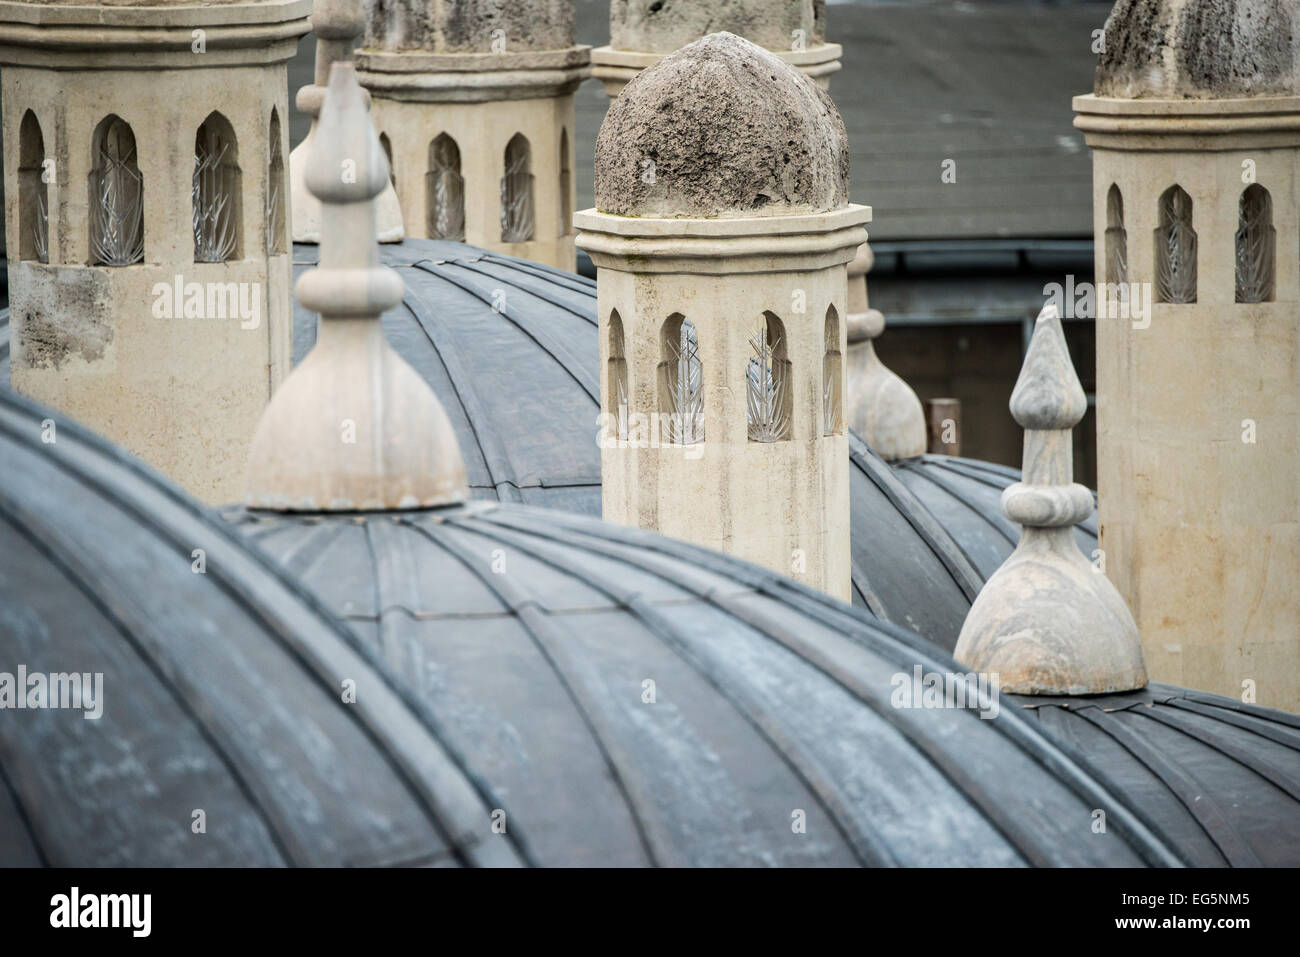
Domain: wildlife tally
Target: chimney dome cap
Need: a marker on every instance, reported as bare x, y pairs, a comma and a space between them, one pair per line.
721, 128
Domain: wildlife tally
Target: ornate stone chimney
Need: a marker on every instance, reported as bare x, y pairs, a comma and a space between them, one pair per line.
148, 250
1195, 132
881, 408
1049, 621
722, 294
354, 427
336, 24
642, 32
473, 100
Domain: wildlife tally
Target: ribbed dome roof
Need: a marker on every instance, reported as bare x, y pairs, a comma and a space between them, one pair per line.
731, 130
1200, 49
220, 690
965, 497
1221, 779
522, 388
532, 634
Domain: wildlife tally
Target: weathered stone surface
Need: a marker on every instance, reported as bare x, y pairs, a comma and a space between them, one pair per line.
722, 127
468, 26
354, 427
662, 26
1048, 621
1200, 49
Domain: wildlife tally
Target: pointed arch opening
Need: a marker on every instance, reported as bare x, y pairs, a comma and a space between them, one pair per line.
33, 192
566, 185
832, 377
1256, 245
616, 403
1175, 248
116, 196
445, 191
1116, 237
517, 192
681, 382
386, 145
216, 187
275, 189
767, 383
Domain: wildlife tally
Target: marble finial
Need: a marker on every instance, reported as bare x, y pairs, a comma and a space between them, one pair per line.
1048, 621
353, 428
336, 25
882, 408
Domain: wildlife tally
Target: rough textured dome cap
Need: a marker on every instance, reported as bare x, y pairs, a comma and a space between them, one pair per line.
1201, 49
722, 127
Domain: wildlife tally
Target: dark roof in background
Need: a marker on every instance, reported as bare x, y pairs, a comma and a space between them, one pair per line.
987, 84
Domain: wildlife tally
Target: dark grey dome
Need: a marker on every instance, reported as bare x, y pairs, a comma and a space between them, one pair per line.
1197, 49
965, 496
531, 634
221, 691
1221, 778
522, 388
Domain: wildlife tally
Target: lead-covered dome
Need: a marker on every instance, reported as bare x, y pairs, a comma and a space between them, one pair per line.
1200, 49
630, 700
221, 689
722, 128
510, 348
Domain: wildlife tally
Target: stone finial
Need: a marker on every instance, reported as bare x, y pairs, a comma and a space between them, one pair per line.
1048, 621
353, 427
1200, 49
721, 128
336, 24
882, 408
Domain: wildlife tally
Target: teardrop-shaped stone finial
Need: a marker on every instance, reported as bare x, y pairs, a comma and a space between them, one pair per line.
1049, 621
353, 428
336, 24
882, 408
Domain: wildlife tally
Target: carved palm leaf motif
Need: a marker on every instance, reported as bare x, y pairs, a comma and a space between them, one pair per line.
767, 380
683, 376
117, 201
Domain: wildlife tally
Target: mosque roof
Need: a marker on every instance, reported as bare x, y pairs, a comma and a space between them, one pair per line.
220, 689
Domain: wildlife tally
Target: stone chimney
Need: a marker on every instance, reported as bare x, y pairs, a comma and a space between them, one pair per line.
354, 427
642, 32
881, 408
1049, 621
473, 100
336, 24
149, 265
1195, 132
721, 238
